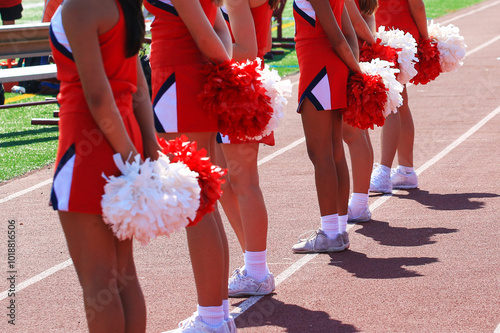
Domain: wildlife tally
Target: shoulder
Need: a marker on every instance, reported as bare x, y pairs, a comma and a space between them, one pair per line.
85, 14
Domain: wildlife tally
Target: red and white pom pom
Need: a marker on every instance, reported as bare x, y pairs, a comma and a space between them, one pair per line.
234, 93
378, 51
209, 175
407, 49
451, 46
149, 199
277, 90
428, 66
388, 74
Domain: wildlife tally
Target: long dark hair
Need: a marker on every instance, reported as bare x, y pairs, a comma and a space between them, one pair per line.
273, 3
368, 7
134, 23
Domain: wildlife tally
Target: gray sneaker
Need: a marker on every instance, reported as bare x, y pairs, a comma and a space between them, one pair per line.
194, 324
345, 239
402, 180
240, 284
365, 216
318, 242
380, 180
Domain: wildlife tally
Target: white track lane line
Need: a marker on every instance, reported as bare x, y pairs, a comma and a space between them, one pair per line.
470, 13
482, 46
29, 189
497, 330
305, 259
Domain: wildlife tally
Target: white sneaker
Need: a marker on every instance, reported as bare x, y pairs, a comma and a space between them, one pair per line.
241, 284
380, 180
231, 325
345, 239
194, 324
365, 215
403, 180
318, 242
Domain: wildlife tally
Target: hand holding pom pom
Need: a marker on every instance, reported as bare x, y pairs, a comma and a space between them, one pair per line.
451, 45
428, 66
209, 175
378, 51
149, 199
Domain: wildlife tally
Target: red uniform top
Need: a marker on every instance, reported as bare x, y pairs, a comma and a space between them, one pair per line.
262, 21
307, 27
9, 3
120, 70
172, 44
396, 14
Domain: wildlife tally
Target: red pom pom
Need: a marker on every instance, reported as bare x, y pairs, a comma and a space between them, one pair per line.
428, 66
366, 99
377, 50
235, 95
209, 175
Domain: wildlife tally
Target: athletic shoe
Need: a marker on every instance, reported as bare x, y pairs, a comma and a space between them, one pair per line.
194, 324
345, 239
318, 242
402, 180
241, 284
380, 180
365, 216
231, 325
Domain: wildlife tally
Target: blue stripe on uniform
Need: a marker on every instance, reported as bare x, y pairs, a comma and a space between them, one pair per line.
308, 92
166, 85
70, 153
304, 15
163, 6
59, 46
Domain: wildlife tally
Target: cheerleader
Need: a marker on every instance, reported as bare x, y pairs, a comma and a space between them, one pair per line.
104, 109
398, 132
326, 50
186, 34
358, 141
242, 200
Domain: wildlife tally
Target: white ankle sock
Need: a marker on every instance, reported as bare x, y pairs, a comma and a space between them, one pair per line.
330, 225
256, 264
342, 223
358, 203
225, 308
405, 169
385, 168
211, 315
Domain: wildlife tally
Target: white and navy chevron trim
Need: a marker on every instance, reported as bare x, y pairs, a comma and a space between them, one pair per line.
165, 5
318, 92
165, 107
63, 177
224, 13
58, 35
304, 9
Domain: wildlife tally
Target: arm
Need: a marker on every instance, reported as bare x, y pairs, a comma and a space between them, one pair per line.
205, 37
144, 114
349, 34
370, 21
243, 28
417, 9
335, 35
269, 45
358, 23
222, 31
83, 24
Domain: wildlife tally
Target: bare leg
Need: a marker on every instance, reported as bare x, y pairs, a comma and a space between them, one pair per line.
244, 180
361, 154
389, 139
318, 128
406, 138
340, 163
98, 260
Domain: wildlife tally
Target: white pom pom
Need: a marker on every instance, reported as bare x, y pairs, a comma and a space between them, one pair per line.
398, 39
150, 199
388, 74
277, 91
451, 45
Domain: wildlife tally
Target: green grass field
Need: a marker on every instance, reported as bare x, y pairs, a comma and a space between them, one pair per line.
24, 147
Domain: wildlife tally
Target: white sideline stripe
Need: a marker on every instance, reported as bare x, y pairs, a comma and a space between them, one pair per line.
281, 151
29, 189
482, 46
470, 13
38, 277
304, 260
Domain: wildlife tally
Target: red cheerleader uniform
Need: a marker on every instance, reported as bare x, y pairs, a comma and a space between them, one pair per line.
84, 154
262, 20
176, 64
323, 75
396, 14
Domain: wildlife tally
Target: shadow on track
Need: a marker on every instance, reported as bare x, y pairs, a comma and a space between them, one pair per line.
385, 234
364, 267
290, 317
